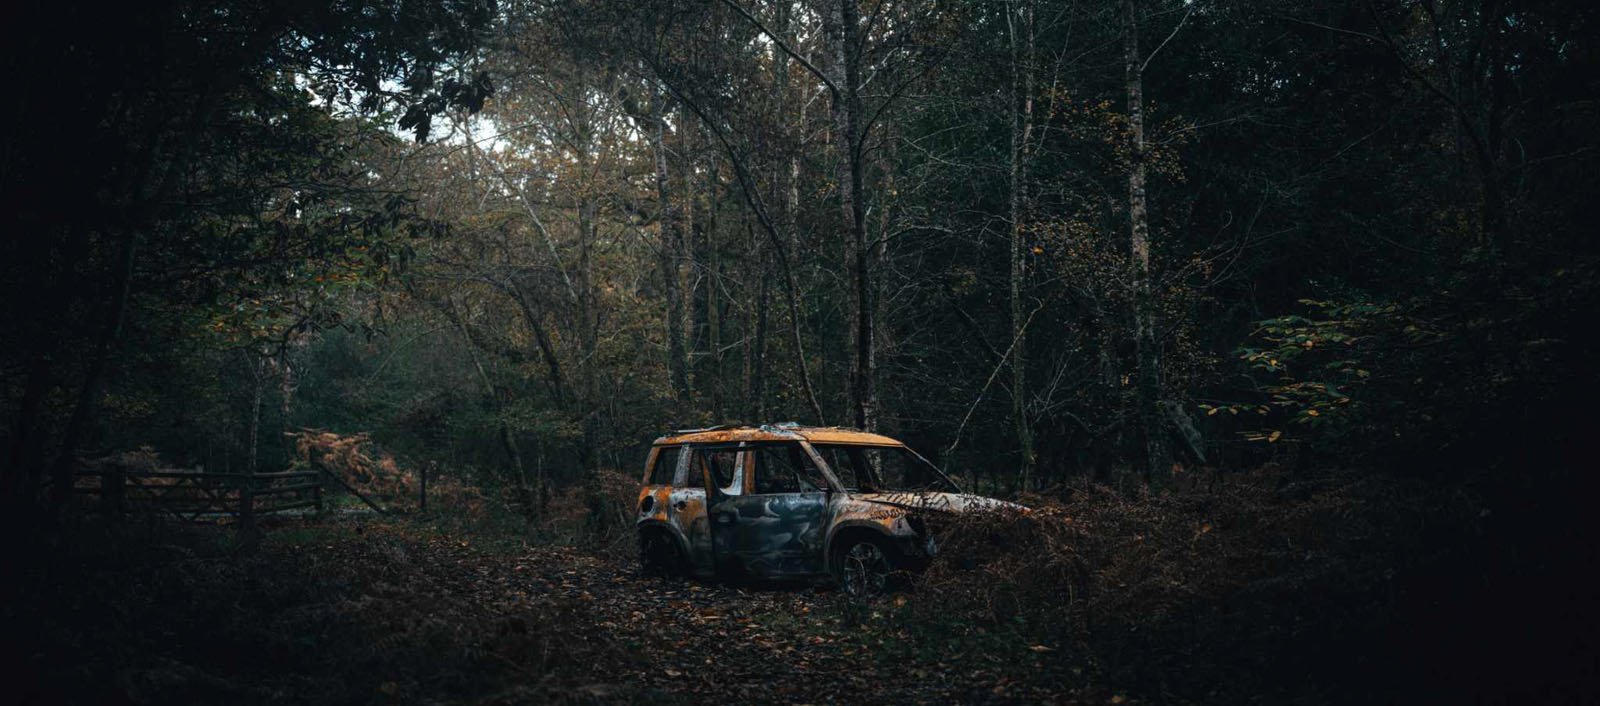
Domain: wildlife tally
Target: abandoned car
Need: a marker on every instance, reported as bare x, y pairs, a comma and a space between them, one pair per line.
792, 502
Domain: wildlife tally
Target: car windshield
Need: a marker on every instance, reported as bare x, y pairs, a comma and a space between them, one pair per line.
883, 469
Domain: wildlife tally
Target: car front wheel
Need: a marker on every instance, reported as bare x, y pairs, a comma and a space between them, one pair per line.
863, 568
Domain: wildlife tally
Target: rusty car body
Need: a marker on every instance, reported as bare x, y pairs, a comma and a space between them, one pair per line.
791, 502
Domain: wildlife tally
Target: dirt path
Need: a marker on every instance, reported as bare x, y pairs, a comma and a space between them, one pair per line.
693, 641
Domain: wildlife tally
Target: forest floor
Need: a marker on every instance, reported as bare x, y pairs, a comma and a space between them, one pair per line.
380, 611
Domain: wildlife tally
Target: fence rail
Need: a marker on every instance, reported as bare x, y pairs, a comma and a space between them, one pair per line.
194, 495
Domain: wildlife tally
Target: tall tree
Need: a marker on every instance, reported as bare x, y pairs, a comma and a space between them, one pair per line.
1020, 31
1157, 462
842, 27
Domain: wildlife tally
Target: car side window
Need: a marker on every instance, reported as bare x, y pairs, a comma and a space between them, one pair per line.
786, 468
775, 469
812, 479
664, 469
848, 465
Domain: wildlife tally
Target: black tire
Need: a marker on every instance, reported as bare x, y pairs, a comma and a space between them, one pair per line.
864, 566
659, 554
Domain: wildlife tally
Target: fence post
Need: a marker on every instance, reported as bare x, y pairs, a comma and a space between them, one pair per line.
316, 494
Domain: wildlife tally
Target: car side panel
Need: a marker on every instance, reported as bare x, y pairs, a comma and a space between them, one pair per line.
776, 535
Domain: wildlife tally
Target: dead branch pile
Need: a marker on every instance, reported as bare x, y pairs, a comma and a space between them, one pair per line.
376, 474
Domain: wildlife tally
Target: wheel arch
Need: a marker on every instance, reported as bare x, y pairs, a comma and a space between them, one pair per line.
657, 526
852, 531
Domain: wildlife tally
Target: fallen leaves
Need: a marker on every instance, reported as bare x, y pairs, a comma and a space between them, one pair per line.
431, 617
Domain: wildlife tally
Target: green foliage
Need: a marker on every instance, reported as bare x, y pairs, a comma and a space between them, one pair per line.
1315, 365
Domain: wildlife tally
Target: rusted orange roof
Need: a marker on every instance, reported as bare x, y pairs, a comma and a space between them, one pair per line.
781, 432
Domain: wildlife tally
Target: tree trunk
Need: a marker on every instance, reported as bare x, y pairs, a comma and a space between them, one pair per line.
258, 382
541, 337
287, 385
757, 405
789, 233
842, 23
1020, 23
1497, 229
671, 247
694, 314
257, 364
588, 334
1148, 389
713, 301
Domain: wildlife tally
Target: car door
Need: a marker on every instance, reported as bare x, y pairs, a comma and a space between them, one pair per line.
771, 521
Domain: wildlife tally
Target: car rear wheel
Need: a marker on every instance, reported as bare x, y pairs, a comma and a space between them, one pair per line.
863, 567
659, 554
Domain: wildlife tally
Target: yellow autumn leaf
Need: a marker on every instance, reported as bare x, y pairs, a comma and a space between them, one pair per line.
1274, 436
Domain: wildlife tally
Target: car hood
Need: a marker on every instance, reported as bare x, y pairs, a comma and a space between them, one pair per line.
956, 503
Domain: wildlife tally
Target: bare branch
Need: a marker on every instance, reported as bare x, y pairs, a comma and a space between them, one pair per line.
833, 89
1163, 43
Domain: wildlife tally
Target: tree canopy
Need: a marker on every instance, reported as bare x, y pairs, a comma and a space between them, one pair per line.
1042, 241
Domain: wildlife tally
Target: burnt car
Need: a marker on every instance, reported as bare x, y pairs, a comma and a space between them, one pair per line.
791, 502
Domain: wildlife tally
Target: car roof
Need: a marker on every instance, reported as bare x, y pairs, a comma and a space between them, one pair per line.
788, 431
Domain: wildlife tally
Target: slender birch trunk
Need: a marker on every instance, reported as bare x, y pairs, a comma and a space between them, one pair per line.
1156, 461
1021, 27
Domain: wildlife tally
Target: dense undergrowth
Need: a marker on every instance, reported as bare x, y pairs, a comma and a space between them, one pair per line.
1271, 587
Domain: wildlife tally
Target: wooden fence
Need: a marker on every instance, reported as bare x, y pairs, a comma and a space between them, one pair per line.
194, 495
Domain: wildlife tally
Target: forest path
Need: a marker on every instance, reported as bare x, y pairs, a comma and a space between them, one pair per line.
377, 610
632, 637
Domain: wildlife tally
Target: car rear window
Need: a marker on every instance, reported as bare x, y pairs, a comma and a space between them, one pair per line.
665, 466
